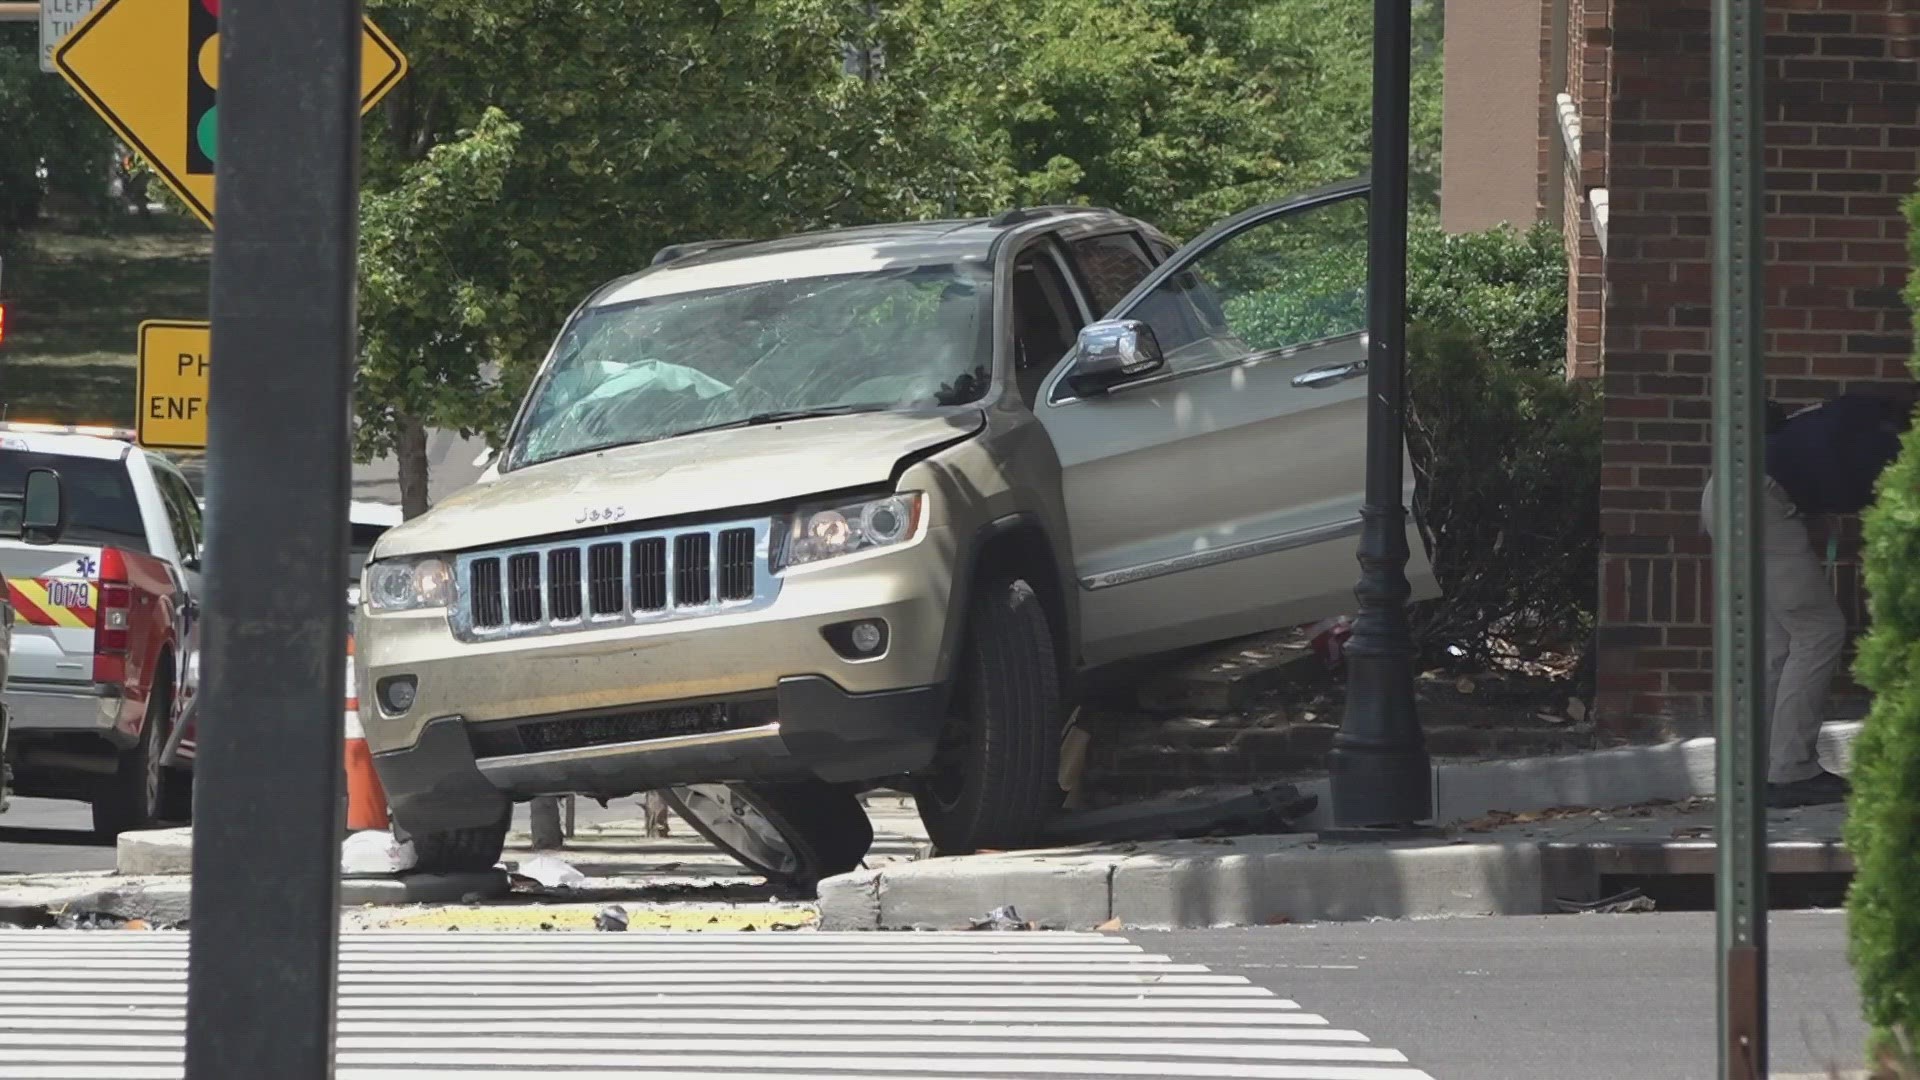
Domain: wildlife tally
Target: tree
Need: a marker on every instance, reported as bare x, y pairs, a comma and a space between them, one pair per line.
540, 148
47, 127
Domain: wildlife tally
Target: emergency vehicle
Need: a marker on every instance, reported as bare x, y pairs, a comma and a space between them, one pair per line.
35, 516
103, 671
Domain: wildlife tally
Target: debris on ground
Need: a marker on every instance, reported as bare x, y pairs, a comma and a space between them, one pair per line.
1242, 810
1498, 819
549, 872
375, 852
1002, 918
1633, 900
613, 917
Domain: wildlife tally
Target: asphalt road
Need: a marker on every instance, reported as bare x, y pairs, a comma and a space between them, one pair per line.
40, 836
1573, 997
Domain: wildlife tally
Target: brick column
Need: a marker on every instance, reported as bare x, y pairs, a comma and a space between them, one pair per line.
1843, 148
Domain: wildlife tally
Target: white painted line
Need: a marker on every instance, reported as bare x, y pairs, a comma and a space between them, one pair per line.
406, 1066
651, 977
628, 1025
1118, 1014
994, 994
433, 1047
517, 965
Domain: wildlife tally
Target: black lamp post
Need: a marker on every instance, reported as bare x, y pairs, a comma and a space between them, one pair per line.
1379, 770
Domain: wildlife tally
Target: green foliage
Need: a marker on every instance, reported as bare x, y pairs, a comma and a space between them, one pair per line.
1883, 815
45, 124
1505, 449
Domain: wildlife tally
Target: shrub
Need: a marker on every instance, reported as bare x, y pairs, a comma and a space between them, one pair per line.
1506, 451
1883, 816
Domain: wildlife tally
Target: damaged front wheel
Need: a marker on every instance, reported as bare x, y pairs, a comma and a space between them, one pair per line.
792, 833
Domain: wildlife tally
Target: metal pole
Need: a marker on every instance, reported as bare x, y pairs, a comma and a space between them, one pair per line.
1379, 769
265, 908
1739, 468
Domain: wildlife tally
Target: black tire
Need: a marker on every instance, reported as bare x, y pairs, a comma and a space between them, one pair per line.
459, 850
996, 779
136, 796
824, 825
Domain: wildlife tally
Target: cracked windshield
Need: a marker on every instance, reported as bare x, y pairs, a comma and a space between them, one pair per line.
635, 370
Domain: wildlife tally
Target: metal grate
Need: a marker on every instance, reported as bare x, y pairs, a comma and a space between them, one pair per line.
650, 574
569, 585
606, 579
736, 564
564, 597
693, 568
484, 588
523, 588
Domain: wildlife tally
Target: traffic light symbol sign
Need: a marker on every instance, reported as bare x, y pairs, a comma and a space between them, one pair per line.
203, 82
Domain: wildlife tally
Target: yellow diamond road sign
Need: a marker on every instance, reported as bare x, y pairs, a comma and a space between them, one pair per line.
170, 412
150, 68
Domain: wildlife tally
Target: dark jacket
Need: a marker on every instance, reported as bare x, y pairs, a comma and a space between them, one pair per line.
1828, 457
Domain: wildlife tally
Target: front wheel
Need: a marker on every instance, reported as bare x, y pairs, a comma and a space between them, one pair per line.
792, 833
995, 781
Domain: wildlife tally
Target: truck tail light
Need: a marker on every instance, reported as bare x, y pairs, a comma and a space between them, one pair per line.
112, 620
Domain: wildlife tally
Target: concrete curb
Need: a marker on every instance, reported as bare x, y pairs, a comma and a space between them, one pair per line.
1256, 880
1261, 880
165, 900
1631, 774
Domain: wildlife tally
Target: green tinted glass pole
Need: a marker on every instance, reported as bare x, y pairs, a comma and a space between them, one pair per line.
1739, 468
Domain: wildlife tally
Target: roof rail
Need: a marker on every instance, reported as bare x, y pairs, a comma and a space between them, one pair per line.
693, 247
99, 431
1020, 214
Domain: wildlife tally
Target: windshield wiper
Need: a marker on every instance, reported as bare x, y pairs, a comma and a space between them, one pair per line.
779, 416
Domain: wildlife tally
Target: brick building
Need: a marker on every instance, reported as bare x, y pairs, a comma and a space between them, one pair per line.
1620, 90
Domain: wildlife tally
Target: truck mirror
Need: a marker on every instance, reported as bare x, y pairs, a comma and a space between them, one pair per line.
43, 508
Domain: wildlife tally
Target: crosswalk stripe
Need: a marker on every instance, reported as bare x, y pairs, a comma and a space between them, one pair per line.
978, 1006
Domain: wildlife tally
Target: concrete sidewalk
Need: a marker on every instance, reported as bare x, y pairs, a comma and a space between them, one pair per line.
1509, 849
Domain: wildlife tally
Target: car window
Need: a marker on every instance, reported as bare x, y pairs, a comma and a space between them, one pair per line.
1046, 320
1288, 281
183, 514
1110, 266
101, 507
656, 362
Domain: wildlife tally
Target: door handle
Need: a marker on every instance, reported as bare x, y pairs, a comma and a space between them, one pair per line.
1322, 377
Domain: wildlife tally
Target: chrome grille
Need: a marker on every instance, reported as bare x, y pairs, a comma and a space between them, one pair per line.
608, 581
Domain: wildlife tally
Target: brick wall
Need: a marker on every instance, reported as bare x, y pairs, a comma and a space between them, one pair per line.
1843, 147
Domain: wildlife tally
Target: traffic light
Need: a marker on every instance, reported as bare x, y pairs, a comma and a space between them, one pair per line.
203, 83
3, 322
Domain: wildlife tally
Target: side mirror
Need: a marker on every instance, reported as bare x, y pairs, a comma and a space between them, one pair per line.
1114, 352
43, 508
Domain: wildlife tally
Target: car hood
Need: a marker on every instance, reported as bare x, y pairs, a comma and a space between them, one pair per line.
692, 474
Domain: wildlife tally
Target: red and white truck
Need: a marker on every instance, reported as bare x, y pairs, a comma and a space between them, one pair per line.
101, 681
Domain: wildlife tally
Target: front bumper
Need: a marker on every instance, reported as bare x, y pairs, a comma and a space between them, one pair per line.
796, 706
452, 778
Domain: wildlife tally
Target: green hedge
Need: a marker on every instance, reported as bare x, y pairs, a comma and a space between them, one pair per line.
1883, 817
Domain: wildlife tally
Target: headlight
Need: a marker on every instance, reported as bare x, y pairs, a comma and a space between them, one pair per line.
408, 584
816, 533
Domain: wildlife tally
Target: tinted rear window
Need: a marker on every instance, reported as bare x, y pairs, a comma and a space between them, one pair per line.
101, 506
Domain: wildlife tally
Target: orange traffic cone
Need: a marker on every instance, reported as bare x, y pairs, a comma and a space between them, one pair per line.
366, 802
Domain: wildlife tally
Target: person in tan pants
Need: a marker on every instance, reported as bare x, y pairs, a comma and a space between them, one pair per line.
1820, 460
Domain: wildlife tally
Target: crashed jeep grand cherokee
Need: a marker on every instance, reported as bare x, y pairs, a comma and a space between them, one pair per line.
854, 508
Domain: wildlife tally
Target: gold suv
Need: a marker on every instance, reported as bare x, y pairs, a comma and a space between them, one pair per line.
853, 508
